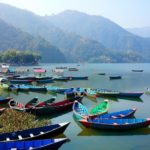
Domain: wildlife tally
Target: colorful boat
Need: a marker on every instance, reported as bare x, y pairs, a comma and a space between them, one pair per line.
46, 144
100, 109
21, 81
78, 78
137, 70
22, 87
5, 100
105, 92
115, 77
73, 69
33, 102
115, 124
37, 88
90, 93
57, 107
16, 105
130, 94
119, 114
61, 78
103, 74
35, 133
55, 89
111, 93
44, 81
46, 102
79, 111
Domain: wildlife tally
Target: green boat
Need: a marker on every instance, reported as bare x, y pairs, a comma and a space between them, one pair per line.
99, 109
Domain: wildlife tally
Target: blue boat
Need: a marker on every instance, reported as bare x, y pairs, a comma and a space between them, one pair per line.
5, 100
37, 88
20, 81
55, 89
78, 78
46, 144
115, 124
23, 87
61, 78
42, 81
35, 133
113, 93
81, 112
119, 114
115, 77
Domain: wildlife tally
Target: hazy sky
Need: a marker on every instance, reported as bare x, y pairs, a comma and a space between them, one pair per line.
127, 13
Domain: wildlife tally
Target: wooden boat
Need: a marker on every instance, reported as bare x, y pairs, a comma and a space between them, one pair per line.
115, 77
35, 133
56, 89
33, 102
21, 81
22, 87
5, 100
118, 115
78, 78
74, 90
14, 87
46, 102
115, 124
104, 92
44, 81
32, 78
72, 69
37, 88
57, 107
90, 93
103, 74
16, 105
137, 70
100, 109
130, 94
79, 111
46, 144
61, 78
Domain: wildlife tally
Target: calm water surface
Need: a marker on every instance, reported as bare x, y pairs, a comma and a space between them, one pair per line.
90, 139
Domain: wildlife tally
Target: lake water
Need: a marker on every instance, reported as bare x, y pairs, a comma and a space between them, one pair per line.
90, 139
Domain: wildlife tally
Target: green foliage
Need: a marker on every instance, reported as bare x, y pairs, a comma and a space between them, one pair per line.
12, 38
20, 57
12, 120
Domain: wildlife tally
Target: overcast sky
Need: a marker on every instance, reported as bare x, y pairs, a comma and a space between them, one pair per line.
127, 13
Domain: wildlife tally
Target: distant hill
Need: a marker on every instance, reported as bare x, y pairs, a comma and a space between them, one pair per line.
81, 37
143, 32
12, 38
100, 29
74, 47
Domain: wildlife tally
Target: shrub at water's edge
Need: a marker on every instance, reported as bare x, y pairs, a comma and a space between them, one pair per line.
17, 57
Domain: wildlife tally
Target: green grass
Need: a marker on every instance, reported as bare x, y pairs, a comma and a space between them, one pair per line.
12, 120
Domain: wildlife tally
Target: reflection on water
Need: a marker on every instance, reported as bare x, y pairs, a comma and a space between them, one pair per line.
94, 132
